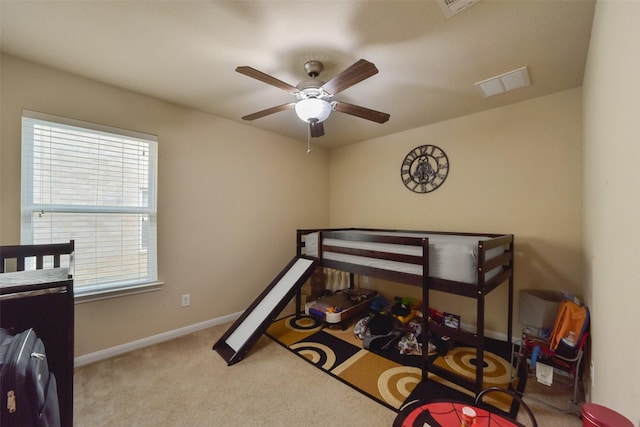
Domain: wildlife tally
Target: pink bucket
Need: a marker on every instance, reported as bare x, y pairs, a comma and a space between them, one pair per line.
598, 416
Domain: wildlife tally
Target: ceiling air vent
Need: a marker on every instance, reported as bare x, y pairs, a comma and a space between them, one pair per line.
451, 7
504, 82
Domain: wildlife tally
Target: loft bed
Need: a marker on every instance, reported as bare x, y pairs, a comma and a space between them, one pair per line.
466, 264
36, 291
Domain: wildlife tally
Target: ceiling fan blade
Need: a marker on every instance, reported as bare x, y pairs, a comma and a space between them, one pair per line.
362, 112
271, 110
356, 73
316, 129
265, 78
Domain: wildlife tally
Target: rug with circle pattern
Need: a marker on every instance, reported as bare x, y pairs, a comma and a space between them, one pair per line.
386, 377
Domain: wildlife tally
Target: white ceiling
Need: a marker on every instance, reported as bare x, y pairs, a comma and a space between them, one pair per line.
186, 52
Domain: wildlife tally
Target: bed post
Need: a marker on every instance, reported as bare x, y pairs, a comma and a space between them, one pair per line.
480, 319
480, 347
298, 289
426, 361
320, 245
511, 277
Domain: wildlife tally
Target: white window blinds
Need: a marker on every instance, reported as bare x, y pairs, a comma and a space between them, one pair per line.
96, 185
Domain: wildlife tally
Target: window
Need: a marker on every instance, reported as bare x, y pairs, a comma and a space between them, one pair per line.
96, 185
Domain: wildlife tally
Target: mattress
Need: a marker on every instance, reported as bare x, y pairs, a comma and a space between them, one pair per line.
451, 257
12, 284
34, 277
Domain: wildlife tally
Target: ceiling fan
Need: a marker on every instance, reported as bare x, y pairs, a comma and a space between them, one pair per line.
315, 97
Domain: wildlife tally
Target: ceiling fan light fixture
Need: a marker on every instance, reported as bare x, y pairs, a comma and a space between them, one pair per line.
315, 109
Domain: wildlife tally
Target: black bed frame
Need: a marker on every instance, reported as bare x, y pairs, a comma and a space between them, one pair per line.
478, 291
46, 306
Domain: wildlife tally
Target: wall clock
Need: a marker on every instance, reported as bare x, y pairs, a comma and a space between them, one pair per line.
424, 168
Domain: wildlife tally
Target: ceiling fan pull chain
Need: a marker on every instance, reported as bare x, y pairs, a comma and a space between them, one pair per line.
309, 138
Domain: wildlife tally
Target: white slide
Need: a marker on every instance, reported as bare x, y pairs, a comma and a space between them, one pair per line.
243, 334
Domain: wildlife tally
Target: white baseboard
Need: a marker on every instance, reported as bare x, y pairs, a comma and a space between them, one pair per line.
501, 336
155, 339
176, 333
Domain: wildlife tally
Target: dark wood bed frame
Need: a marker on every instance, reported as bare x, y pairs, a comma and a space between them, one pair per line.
46, 307
478, 291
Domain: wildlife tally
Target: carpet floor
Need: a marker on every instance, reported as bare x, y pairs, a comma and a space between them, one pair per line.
183, 382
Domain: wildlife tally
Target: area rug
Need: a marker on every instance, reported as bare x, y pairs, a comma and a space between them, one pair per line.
340, 354
388, 377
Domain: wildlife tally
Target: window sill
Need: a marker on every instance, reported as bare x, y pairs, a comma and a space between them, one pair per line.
88, 295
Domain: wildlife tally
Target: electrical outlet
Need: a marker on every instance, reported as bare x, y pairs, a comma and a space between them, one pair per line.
186, 300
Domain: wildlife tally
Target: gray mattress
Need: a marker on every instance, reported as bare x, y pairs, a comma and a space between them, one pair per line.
451, 257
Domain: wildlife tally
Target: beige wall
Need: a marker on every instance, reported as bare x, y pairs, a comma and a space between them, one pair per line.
230, 198
612, 203
514, 170
517, 169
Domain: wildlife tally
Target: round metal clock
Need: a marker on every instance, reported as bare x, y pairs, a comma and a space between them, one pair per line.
424, 169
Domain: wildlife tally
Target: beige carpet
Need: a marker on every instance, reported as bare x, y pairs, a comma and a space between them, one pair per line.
184, 383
